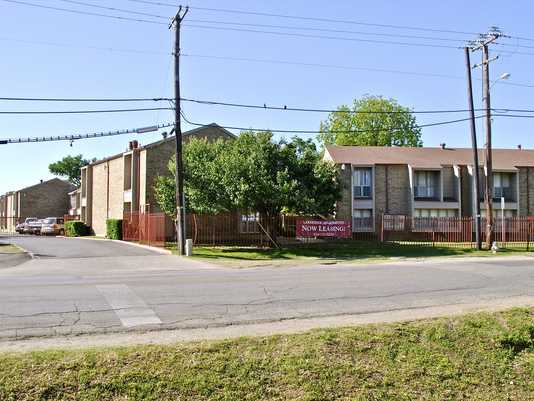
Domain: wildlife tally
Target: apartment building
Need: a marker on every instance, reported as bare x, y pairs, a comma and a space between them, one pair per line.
46, 199
124, 182
427, 182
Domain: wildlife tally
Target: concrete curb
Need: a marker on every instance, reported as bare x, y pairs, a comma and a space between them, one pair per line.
148, 247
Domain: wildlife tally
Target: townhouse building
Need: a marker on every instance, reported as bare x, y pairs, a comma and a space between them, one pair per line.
427, 182
124, 182
46, 199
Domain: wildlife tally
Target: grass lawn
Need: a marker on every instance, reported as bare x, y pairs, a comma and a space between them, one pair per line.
8, 248
341, 252
475, 357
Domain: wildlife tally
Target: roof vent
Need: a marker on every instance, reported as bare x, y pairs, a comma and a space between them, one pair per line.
519, 147
41, 181
443, 145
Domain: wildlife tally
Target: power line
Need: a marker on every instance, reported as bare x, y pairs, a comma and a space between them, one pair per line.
315, 110
122, 10
74, 137
395, 35
307, 18
85, 111
299, 131
69, 10
309, 36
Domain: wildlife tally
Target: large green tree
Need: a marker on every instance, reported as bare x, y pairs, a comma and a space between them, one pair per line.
253, 173
371, 121
69, 168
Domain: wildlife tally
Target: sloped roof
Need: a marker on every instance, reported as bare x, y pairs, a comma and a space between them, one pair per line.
194, 131
503, 159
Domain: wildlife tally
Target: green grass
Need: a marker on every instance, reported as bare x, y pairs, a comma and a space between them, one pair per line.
340, 252
9, 248
476, 357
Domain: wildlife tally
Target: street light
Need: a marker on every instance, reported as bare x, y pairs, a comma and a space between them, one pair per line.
504, 76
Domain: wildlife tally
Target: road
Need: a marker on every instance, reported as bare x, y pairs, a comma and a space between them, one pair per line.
81, 286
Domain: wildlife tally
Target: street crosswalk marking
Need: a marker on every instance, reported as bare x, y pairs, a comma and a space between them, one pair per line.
128, 306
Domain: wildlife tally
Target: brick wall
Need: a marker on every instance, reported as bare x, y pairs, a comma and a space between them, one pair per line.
344, 205
466, 185
49, 199
392, 190
99, 198
526, 191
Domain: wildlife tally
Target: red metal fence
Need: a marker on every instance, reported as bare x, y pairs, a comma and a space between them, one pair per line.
237, 229
147, 228
455, 231
71, 217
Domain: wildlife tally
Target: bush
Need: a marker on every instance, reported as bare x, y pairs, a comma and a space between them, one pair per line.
76, 228
114, 228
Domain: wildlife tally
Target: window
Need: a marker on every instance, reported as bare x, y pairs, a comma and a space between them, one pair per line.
248, 223
501, 186
436, 213
362, 219
362, 183
426, 184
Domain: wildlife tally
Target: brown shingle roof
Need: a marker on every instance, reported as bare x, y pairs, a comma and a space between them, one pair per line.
503, 159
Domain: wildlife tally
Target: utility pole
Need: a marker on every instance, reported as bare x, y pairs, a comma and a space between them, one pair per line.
483, 43
180, 211
488, 196
475, 149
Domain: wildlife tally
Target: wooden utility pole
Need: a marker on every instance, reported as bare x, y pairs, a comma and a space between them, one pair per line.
482, 43
476, 201
180, 211
488, 196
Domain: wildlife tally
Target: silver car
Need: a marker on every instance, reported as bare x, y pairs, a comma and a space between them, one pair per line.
52, 226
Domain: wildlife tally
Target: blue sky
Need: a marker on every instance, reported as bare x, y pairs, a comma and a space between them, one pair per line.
77, 69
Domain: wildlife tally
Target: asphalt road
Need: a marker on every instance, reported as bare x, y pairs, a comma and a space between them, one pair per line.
57, 247
88, 286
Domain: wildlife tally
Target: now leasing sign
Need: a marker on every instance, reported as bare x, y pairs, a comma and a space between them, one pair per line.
321, 228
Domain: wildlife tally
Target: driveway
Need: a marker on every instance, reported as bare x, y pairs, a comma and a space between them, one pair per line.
58, 247
135, 290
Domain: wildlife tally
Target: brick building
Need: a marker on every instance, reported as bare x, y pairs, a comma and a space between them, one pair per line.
46, 199
427, 182
124, 182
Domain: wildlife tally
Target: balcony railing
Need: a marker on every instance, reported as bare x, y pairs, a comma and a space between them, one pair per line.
362, 191
363, 224
503, 192
428, 192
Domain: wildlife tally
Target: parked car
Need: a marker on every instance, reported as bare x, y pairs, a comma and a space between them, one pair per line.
34, 227
22, 228
53, 226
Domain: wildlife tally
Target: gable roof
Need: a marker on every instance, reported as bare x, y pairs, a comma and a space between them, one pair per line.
195, 131
503, 159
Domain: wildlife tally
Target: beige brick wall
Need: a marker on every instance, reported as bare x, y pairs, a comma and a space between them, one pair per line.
45, 200
344, 205
526, 191
450, 189
108, 193
466, 184
99, 201
142, 180
116, 188
392, 190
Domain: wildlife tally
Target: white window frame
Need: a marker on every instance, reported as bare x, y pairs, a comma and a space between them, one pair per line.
364, 174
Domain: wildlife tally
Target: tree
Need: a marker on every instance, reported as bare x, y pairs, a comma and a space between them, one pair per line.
372, 121
202, 180
69, 167
253, 173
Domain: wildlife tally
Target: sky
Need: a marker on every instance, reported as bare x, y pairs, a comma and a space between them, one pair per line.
52, 53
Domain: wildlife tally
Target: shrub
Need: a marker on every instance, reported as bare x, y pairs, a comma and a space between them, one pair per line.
76, 228
114, 228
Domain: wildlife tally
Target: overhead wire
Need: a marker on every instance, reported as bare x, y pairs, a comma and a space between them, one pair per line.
17, 112
89, 13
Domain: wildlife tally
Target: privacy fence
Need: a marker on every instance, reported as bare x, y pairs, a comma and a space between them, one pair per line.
236, 229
